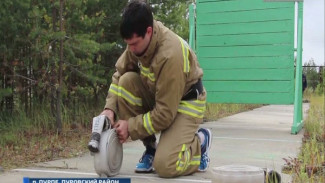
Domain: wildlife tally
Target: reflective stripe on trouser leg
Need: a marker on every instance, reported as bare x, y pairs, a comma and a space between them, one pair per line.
133, 98
179, 148
125, 94
132, 81
179, 151
184, 159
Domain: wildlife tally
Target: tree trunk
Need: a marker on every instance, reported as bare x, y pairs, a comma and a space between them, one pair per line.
31, 70
52, 65
59, 97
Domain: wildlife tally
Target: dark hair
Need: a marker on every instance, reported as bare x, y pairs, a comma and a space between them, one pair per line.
136, 18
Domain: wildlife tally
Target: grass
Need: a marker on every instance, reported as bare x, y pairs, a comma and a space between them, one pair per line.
308, 93
217, 111
31, 139
309, 166
25, 140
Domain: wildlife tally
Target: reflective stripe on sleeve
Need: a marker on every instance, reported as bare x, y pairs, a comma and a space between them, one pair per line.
146, 72
147, 123
185, 50
195, 108
113, 89
128, 96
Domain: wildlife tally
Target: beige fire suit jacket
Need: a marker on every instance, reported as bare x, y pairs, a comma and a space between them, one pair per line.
168, 69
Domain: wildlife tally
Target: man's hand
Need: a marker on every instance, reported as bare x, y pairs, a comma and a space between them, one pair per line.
122, 130
110, 114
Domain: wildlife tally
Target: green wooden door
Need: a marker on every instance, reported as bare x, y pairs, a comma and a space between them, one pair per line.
246, 48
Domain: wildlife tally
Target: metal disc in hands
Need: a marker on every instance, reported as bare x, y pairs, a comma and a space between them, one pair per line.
108, 160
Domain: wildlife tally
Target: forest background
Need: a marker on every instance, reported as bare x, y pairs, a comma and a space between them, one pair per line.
57, 58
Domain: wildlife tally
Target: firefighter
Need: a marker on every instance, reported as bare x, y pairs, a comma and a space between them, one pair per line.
157, 88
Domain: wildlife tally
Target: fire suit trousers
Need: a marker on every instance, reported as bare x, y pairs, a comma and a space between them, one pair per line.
178, 150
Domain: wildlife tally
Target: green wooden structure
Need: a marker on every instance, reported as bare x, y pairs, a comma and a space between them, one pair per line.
246, 49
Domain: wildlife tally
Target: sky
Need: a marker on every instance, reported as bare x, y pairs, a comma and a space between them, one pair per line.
313, 32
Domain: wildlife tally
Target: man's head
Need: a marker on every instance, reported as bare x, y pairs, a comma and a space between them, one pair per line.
137, 26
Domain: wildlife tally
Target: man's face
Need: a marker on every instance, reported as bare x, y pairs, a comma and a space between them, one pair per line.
137, 44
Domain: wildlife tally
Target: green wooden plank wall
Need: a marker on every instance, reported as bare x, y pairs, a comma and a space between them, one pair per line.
246, 48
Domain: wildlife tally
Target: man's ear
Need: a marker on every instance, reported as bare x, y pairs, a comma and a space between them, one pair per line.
149, 30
